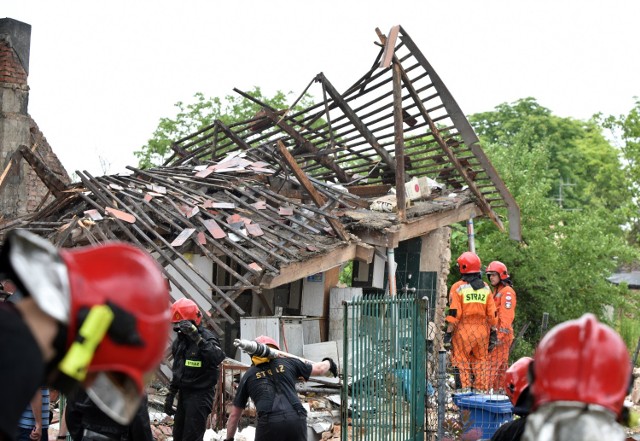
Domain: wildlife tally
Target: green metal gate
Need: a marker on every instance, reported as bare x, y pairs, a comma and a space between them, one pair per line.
384, 360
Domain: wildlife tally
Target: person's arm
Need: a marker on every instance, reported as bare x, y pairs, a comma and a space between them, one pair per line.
211, 350
321, 368
62, 433
232, 422
36, 408
506, 312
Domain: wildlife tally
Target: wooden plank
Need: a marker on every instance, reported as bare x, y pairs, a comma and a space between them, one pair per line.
369, 191
298, 270
389, 47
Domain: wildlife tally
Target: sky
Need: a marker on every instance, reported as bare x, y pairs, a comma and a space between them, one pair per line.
102, 74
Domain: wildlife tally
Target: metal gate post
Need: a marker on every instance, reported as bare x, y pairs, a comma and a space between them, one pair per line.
442, 391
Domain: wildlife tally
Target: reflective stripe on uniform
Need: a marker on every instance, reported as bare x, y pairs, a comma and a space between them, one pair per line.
470, 295
193, 363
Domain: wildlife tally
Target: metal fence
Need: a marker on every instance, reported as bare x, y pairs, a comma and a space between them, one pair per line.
384, 358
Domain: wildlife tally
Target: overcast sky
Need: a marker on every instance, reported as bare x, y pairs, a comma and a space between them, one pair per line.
102, 74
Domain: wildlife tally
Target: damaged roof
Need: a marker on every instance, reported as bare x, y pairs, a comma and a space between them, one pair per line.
288, 194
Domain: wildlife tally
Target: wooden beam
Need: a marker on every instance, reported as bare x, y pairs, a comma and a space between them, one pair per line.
434, 221
357, 122
318, 199
307, 145
298, 270
390, 237
48, 177
398, 136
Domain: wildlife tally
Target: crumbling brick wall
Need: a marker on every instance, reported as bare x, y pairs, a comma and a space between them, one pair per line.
22, 191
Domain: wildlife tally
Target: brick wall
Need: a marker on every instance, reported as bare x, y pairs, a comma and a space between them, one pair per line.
24, 192
11, 70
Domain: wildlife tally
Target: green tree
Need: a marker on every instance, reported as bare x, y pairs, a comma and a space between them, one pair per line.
568, 251
625, 132
201, 113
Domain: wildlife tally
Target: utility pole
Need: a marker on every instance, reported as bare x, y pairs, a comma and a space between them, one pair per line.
560, 198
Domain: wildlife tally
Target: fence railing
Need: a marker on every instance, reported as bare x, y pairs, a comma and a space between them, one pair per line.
384, 353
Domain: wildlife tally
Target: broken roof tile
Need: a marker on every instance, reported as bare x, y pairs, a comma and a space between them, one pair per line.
254, 230
195, 210
223, 205
234, 218
126, 217
214, 229
182, 237
285, 211
203, 173
93, 214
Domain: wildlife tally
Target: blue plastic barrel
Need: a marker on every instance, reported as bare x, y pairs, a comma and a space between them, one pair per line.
485, 412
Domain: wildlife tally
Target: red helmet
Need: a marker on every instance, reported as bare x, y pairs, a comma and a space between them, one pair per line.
498, 267
70, 284
516, 379
268, 341
582, 360
469, 262
185, 309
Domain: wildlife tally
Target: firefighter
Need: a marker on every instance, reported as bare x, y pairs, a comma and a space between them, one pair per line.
196, 355
505, 299
471, 323
580, 377
517, 389
95, 316
270, 383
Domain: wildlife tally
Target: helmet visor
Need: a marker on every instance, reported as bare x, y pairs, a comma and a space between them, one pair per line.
117, 395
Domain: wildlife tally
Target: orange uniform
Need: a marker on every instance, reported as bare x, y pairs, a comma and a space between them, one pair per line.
472, 312
505, 300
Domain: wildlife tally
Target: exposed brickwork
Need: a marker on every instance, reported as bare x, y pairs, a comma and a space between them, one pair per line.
24, 192
11, 70
36, 190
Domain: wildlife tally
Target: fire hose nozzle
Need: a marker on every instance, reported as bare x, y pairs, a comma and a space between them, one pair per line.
254, 348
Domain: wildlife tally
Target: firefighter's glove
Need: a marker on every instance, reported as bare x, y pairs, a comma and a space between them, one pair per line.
189, 330
447, 341
493, 340
333, 367
168, 405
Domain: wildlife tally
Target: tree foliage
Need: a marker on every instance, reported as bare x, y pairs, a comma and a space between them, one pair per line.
201, 113
625, 132
570, 246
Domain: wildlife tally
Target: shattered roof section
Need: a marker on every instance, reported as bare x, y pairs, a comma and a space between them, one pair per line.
350, 138
226, 211
284, 195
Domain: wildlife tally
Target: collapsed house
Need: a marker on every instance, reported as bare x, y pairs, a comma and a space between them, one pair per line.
254, 220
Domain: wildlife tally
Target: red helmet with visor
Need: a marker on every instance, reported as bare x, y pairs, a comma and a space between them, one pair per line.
185, 309
499, 268
517, 379
115, 303
584, 361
